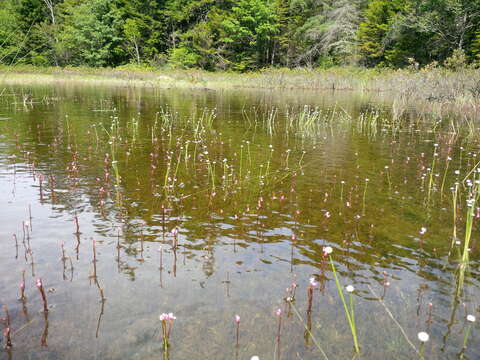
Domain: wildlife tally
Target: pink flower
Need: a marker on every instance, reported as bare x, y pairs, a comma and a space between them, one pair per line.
423, 230
313, 282
278, 312
237, 319
167, 317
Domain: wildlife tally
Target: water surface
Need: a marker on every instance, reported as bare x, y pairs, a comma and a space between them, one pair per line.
255, 199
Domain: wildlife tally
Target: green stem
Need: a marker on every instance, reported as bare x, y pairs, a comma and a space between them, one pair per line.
347, 311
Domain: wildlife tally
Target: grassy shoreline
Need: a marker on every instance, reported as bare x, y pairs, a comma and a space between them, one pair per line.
439, 80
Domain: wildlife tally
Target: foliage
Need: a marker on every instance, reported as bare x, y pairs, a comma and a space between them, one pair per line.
91, 33
239, 34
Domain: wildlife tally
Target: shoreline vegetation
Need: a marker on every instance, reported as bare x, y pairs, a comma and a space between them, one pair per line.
431, 84
434, 94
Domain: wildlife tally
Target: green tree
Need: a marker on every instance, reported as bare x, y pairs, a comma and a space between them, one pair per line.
91, 33
133, 35
11, 36
372, 33
248, 34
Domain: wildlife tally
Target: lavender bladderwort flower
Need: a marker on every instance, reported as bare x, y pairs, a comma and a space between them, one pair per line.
167, 326
237, 323
386, 283
279, 314
8, 339
313, 284
7, 330
77, 226
175, 237
22, 288
429, 319
42, 293
22, 291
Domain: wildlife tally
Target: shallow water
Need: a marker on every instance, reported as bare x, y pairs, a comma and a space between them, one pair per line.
254, 202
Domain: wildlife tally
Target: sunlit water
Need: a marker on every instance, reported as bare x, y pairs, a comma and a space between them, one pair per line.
254, 205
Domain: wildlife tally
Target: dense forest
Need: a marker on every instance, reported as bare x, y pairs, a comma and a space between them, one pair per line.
239, 35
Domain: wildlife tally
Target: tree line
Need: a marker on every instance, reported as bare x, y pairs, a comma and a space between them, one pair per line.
239, 35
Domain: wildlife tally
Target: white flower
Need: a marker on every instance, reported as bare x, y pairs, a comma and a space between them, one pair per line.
471, 318
327, 250
350, 288
313, 282
255, 358
423, 336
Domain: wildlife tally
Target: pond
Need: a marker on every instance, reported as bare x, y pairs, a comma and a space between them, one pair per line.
127, 203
